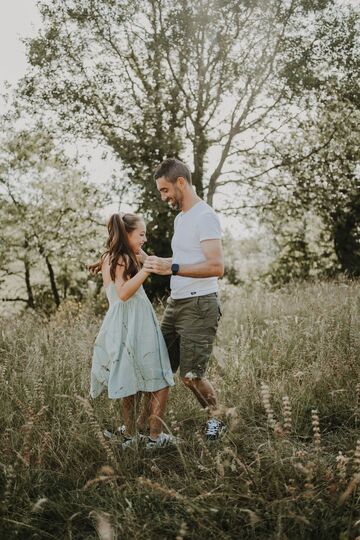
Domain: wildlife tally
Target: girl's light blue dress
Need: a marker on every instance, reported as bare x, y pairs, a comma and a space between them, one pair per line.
130, 353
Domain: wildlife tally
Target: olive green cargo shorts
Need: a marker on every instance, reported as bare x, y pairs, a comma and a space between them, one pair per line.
189, 328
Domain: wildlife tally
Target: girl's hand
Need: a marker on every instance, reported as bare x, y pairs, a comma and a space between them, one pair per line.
144, 272
158, 265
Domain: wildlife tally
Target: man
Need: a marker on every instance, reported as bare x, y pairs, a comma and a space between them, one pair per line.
193, 311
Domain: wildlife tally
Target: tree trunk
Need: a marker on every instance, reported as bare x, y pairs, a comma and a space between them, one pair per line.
200, 148
346, 233
30, 301
54, 290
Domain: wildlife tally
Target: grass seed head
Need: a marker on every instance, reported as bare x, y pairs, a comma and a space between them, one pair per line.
316, 428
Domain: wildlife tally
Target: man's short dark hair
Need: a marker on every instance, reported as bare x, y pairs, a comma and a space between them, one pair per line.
171, 169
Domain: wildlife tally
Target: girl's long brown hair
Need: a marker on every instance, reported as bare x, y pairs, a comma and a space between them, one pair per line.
117, 246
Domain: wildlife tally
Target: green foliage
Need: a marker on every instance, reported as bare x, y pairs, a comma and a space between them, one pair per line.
321, 179
157, 79
318, 171
269, 477
50, 223
268, 88
303, 251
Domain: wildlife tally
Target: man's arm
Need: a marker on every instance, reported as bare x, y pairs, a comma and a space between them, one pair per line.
213, 266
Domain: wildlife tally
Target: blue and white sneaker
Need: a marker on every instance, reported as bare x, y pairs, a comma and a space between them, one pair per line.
162, 440
111, 434
214, 429
120, 431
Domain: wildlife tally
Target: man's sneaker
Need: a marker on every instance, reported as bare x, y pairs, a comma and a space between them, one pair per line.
214, 429
162, 440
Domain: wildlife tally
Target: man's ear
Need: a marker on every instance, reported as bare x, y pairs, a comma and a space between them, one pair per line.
182, 181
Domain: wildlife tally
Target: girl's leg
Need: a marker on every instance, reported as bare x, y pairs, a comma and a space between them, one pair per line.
157, 410
143, 418
129, 412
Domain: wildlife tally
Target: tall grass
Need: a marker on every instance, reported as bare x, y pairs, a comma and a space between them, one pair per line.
288, 378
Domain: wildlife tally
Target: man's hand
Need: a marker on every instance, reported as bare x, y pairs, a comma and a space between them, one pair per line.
158, 265
142, 256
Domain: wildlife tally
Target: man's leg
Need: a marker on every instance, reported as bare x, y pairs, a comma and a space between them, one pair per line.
203, 391
171, 337
198, 321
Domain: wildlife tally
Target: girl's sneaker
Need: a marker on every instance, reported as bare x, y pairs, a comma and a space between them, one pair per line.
111, 434
120, 432
128, 442
162, 440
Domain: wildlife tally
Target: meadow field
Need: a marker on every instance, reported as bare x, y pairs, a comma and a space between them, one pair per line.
287, 370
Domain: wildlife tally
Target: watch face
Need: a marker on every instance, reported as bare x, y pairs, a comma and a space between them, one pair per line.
174, 268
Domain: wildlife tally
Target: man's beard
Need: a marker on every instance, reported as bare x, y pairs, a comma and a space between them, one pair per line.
178, 201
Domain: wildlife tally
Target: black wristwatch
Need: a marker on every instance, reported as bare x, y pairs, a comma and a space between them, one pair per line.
174, 269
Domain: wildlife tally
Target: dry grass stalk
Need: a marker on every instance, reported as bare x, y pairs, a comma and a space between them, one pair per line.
155, 486
233, 418
6, 447
39, 391
287, 414
9, 483
316, 428
103, 525
27, 429
38, 506
204, 449
358, 395
96, 429
357, 404
349, 490
240, 463
341, 466
308, 470
43, 447
219, 465
106, 475
356, 459
173, 421
3, 380
265, 396
182, 532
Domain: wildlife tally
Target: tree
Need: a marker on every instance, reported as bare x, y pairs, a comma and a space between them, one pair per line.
50, 222
325, 185
312, 179
158, 78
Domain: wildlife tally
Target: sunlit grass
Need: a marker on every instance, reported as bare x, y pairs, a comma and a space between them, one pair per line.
288, 378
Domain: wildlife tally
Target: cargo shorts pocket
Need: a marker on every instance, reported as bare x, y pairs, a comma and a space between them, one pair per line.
195, 351
207, 307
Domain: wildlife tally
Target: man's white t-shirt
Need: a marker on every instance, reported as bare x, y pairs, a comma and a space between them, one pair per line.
190, 229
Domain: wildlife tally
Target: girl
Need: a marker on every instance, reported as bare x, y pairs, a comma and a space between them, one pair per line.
130, 355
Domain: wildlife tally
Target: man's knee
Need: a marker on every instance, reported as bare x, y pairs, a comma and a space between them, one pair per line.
190, 380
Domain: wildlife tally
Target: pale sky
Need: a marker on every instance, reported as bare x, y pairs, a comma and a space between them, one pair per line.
20, 18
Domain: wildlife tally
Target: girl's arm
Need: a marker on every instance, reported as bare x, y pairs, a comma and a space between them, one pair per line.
127, 288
